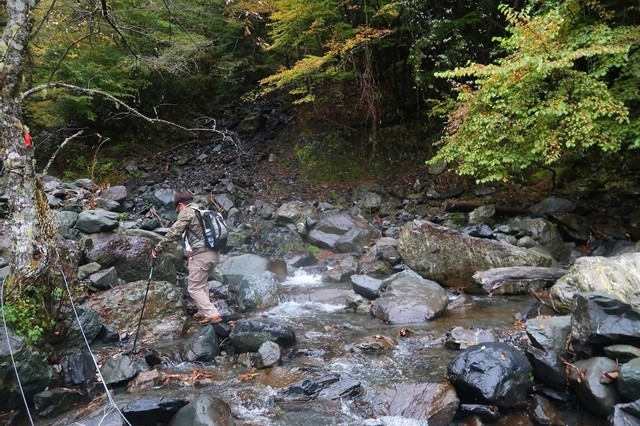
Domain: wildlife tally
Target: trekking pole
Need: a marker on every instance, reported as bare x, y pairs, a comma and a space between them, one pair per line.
143, 305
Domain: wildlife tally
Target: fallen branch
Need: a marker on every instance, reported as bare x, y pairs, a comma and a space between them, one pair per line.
467, 206
62, 145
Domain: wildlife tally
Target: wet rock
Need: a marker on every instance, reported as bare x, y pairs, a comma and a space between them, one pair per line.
548, 368
235, 268
145, 381
450, 257
478, 231
121, 368
84, 271
153, 410
79, 370
375, 343
204, 410
129, 254
628, 382
435, 403
104, 280
94, 221
342, 232
459, 338
32, 368
162, 317
625, 415
346, 267
249, 335
55, 401
269, 355
202, 346
595, 396
258, 291
409, 298
599, 320
488, 413
73, 336
622, 353
328, 387
517, 280
461, 301
366, 286
619, 275
550, 333
493, 373
543, 412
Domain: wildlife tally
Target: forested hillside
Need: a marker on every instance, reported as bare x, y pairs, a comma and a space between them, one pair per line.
496, 88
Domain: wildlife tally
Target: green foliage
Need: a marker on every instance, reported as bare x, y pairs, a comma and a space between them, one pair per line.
28, 310
564, 88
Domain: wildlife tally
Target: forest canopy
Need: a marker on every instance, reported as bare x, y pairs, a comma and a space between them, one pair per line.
493, 89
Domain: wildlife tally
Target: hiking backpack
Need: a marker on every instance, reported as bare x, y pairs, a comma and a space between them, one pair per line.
214, 229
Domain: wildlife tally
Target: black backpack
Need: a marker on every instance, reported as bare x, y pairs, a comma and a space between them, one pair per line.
214, 229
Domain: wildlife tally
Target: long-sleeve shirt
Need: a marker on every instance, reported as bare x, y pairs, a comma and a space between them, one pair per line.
188, 227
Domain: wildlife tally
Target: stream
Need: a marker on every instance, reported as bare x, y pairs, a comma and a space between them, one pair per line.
327, 335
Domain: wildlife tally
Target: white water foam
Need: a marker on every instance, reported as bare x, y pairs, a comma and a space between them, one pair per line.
303, 279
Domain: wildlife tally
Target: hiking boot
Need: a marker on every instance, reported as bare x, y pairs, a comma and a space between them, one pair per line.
212, 320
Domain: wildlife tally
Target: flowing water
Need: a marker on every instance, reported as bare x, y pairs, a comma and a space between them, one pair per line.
327, 334
328, 337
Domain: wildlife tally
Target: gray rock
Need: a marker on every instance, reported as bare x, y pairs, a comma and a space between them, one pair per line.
366, 286
269, 355
618, 275
460, 338
235, 268
85, 271
202, 346
204, 410
104, 280
434, 403
625, 415
55, 401
628, 382
409, 298
622, 353
451, 258
549, 334
258, 291
75, 336
117, 193
33, 370
249, 335
66, 221
151, 411
99, 220
493, 373
342, 232
595, 396
121, 368
294, 212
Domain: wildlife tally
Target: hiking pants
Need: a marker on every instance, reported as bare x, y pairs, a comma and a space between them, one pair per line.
199, 266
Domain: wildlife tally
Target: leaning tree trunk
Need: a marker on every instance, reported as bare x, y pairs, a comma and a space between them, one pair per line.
32, 229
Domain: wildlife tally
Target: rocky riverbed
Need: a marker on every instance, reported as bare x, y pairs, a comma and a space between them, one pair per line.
419, 300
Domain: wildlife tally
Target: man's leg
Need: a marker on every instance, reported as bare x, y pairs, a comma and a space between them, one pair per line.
199, 267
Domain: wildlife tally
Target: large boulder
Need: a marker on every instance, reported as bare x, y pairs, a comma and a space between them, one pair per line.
236, 268
33, 370
342, 232
618, 275
129, 254
596, 395
435, 403
258, 291
491, 373
249, 335
163, 315
204, 410
451, 258
409, 298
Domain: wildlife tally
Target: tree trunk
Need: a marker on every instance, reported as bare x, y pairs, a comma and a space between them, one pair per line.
32, 225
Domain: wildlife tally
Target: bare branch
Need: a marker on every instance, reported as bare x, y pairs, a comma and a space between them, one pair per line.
66, 141
105, 15
124, 105
57, 67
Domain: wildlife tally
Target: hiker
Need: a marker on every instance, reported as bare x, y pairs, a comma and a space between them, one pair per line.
202, 260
